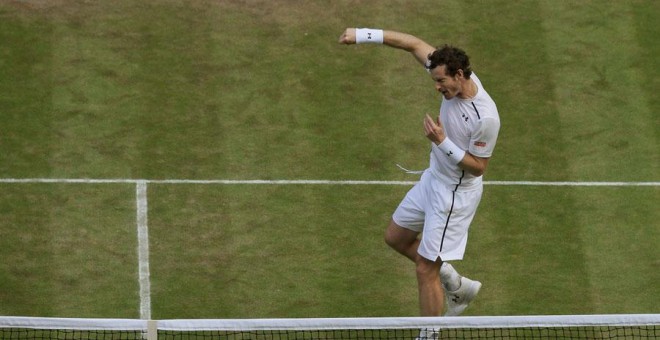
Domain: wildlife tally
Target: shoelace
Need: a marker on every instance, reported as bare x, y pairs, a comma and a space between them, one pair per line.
412, 172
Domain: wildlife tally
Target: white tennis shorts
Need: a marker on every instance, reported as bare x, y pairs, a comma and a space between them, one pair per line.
441, 213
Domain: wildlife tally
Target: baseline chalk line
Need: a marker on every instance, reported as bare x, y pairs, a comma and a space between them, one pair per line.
313, 182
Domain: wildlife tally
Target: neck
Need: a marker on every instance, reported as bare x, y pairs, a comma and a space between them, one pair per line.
469, 89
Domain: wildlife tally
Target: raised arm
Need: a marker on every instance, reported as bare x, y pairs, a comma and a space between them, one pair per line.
417, 47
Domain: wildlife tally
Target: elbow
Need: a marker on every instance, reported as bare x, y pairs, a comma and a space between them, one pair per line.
475, 166
477, 172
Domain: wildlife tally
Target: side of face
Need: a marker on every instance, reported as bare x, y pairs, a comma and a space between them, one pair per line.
447, 85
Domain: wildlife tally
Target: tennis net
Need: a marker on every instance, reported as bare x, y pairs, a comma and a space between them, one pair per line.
629, 326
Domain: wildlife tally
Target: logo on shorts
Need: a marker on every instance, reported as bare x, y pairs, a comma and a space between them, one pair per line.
480, 144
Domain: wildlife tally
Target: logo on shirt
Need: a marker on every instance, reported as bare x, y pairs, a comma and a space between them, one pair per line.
480, 144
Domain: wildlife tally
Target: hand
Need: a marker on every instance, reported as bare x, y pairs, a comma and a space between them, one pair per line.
434, 130
348, 37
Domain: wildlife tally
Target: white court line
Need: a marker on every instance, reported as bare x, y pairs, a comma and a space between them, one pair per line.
310, 182
575, 184
143, 249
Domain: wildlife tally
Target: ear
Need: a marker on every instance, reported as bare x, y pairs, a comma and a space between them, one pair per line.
460, 74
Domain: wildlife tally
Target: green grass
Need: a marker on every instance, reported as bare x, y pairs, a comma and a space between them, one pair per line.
294, 253
261, 90
566, 250
68, 250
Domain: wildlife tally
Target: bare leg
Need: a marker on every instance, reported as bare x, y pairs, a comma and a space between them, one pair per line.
431, 294
403, 240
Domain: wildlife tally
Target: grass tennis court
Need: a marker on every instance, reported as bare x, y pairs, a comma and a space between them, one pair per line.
261, 90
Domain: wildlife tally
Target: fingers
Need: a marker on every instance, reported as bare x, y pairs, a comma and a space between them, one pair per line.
348, 37
429, 125
433, 129
435, 121
431, 122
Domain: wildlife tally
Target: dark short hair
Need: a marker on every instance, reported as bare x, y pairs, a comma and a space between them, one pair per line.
453, 58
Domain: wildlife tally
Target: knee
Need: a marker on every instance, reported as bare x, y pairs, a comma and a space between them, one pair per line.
390, 239
397, 240
426, 269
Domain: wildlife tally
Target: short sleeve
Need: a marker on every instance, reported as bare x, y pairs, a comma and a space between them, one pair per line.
482, 142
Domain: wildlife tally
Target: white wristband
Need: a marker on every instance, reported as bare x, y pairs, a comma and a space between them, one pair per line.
368, 35
447, 149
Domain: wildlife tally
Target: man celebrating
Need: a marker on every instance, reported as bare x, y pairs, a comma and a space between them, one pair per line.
442, 204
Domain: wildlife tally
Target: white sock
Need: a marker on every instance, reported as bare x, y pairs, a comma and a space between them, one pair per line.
450, 277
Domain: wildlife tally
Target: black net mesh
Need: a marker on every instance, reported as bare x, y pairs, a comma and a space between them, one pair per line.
285, 329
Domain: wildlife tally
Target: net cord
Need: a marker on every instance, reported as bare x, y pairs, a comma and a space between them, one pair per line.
72, 323
334, 323
412, 322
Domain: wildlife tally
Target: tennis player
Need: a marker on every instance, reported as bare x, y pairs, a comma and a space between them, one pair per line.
442, 204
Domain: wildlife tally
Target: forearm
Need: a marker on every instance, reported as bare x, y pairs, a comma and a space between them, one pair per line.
474, 165
418, 47
400, 40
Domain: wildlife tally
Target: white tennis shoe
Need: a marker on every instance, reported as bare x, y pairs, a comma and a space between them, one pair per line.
428, 334
459, 299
